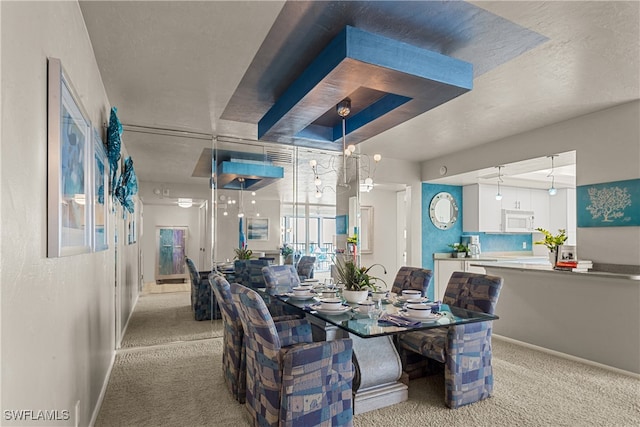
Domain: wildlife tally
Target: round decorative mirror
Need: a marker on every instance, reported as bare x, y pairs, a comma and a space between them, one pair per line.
443, 210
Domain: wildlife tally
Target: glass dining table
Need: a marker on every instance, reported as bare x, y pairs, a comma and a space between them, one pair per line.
378, 367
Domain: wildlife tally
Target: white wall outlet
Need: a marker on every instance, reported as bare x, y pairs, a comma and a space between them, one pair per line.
524, 245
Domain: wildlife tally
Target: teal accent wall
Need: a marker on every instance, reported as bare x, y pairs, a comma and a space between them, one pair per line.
434, 239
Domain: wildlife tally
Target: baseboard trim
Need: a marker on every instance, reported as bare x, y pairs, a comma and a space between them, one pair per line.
103, 391
126, 325
567, 356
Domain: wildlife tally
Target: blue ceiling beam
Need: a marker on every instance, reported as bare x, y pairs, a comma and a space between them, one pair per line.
413, 79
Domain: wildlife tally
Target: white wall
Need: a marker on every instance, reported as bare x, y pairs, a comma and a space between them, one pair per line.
607, 145
58, 333
384, 233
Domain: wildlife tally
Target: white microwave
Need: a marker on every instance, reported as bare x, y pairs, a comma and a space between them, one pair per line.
514, 221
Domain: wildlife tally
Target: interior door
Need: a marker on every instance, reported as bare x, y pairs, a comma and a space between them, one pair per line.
171, 243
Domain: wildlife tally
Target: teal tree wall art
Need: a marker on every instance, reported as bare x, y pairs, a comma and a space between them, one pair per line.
611, 204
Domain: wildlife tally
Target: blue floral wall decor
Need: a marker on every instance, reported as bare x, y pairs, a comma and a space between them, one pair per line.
114, 142
610, 204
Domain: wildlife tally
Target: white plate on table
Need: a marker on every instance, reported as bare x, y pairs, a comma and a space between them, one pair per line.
317, 307
432, 317
300, 297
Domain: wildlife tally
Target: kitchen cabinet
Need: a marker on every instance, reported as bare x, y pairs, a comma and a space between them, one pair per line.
480, 209
540, 208
444, 268
515, 198
481, 212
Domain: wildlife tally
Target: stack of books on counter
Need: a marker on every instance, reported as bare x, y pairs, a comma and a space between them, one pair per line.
579, 266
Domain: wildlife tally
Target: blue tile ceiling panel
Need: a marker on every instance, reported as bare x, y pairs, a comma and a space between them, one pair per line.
413, 80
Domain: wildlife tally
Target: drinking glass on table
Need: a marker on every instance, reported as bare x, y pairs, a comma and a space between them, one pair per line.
375, 311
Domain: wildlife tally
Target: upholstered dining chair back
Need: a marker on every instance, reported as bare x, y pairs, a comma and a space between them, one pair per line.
203, 304
291, 380
412, 278
280, 279
249, 272
305, 267
464, 349
233, 362
473, 291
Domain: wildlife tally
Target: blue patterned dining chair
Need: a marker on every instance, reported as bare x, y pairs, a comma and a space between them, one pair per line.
412, 278
233, 361
291, 380
233, 356
465, 350
248, 272
203, 303
280, 279
305, 267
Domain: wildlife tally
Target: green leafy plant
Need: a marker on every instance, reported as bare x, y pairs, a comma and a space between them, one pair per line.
552, 241
243, 253
353, 239
357, 278
286, 250
459, 247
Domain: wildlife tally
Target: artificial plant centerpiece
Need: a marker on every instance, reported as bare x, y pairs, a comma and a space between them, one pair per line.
357, 281
552, 241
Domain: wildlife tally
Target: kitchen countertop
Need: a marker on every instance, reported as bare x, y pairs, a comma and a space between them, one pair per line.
524, 266
529, 262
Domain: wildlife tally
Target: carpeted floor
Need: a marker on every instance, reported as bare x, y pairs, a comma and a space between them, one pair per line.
170, 385
181, 384
164, 318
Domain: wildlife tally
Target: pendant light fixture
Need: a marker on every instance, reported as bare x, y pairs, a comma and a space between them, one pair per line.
344, 108
241, 206
499, 194
552, 190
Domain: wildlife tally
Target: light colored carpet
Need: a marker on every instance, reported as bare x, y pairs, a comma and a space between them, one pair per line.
181, 384
531, 388
170, 385
154, 288
164, 318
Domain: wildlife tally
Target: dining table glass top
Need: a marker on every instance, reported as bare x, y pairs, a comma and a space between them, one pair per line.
393, 317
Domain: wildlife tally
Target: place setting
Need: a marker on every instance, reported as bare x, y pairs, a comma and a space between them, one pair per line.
330, 306
302, 293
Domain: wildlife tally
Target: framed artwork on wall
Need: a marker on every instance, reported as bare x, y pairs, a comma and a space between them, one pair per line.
258, 228
69, 142
341, 224
609, 204
100, 194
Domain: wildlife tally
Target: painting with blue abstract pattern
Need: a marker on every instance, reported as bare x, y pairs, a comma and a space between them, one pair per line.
610, 204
